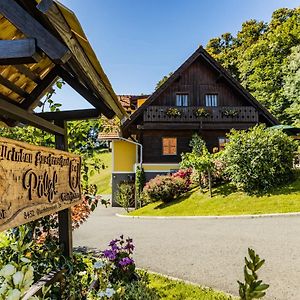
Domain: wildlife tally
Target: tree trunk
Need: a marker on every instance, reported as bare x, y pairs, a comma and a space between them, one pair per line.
209, 183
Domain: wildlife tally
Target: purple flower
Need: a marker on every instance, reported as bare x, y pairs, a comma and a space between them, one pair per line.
126, 261
113, 242
109, 254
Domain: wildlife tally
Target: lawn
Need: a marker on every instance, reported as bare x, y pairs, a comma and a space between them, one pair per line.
177, 290
226, 201
103, 178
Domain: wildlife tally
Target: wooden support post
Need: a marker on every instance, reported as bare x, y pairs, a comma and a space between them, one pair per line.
64, 216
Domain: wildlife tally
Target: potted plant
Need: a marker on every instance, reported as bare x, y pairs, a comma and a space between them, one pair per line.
173, 112
201, 112
230, 112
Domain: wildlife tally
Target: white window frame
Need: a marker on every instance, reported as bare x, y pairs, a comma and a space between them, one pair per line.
211, 100
182, 99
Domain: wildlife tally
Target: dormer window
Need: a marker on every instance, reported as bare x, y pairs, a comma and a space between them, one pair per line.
182, 99
211, 100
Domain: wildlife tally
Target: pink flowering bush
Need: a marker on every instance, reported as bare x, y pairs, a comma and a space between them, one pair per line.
165, 188
186, 175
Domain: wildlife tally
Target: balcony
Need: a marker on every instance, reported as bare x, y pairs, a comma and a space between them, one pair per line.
232, 114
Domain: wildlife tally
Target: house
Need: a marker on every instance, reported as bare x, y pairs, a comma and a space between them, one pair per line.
200, 97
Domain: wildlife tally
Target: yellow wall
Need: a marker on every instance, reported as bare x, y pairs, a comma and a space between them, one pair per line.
124, 156
140, 102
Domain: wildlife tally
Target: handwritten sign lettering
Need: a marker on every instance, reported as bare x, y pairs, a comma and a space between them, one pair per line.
35, 182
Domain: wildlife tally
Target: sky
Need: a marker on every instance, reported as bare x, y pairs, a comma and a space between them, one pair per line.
139, 41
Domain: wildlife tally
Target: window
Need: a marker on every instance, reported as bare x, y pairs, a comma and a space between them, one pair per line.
169, 146
211, 100
222, 142
182, 99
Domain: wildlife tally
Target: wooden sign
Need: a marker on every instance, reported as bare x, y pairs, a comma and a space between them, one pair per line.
35, 182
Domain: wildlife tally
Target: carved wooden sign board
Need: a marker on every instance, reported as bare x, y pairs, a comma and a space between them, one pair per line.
35, 182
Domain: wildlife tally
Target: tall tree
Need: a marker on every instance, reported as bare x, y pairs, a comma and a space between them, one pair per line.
256, 57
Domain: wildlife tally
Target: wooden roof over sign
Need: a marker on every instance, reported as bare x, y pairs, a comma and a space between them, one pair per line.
41, 41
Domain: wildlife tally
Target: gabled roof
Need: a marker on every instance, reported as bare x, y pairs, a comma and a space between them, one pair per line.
129, 102
201, 52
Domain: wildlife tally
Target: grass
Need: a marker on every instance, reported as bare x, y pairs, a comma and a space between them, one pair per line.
103, 179
226, 201
178, 290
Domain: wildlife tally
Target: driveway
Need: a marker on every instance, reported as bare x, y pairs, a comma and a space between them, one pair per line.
206, 251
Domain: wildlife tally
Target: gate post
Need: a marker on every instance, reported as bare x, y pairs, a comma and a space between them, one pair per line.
64, 216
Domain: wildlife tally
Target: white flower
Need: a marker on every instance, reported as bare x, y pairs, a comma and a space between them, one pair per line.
82, 273
7, 271
99, 265
14, 295
110, 292
3, 288
18, 277
25, 260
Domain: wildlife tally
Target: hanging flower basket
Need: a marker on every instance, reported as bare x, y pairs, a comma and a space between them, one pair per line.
230, 113
201, 112
173, 112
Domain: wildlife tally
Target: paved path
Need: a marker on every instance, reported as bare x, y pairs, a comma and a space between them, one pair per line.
209, 252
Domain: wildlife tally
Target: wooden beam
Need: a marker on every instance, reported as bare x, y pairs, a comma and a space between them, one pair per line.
40, 90
22, 51
64, 216
49, 8
13, 87
36, 288
70, 115
85, 93
28, 73
12, 111
57, 51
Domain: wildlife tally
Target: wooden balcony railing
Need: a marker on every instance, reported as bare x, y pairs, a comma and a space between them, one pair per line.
233, 114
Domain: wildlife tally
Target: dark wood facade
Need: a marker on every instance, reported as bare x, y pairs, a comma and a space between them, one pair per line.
197, 79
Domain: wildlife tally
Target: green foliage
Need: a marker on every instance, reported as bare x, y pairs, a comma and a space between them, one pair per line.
291, 88
139, 289
260, 56
165, 188
163, 80
140, 181
126, 195
200, 160
259, 159
252, 288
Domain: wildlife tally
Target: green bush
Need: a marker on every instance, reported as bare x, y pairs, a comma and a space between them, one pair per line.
125, 195
259, 159
165, 188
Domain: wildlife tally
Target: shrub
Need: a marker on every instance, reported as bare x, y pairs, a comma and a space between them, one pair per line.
200, 160
140, 181
165, 188
259, 159
184, 174
125, 195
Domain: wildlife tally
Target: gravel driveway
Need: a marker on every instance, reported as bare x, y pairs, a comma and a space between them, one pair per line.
206, 251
